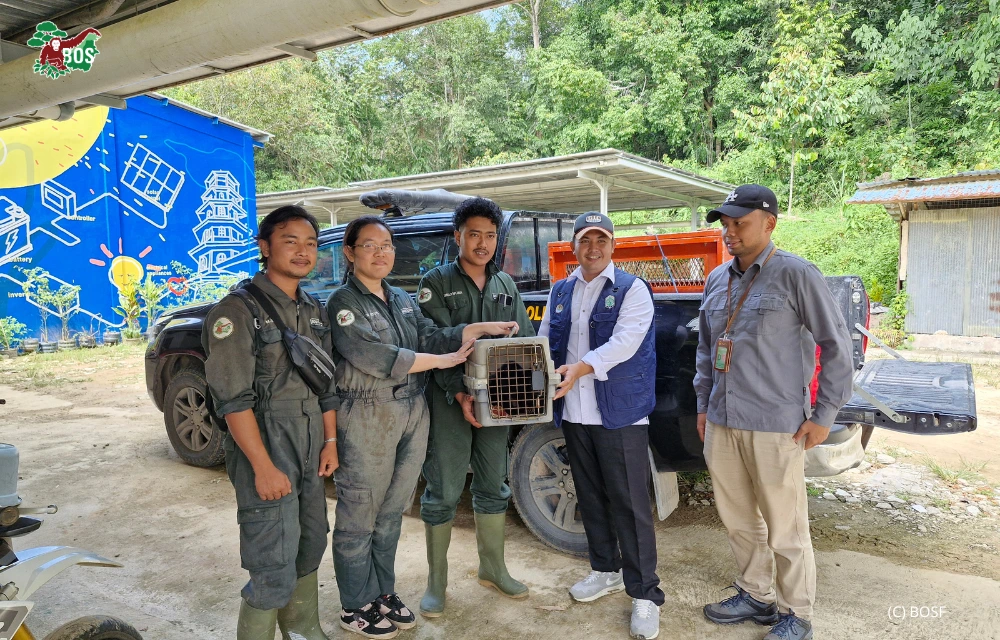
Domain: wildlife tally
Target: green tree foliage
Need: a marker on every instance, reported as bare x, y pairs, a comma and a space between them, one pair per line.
801, 100
808, 97
740, 88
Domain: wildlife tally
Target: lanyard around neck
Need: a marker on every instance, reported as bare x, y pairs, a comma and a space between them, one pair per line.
746, 292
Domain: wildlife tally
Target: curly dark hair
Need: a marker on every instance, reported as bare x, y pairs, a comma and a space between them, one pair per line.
477, 207
280, 216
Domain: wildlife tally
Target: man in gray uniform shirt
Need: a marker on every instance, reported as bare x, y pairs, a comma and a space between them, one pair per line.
762, 316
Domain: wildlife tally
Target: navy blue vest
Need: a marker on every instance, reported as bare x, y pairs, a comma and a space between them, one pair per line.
629, 393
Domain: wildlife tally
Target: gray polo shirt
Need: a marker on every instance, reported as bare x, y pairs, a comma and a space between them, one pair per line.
788, 312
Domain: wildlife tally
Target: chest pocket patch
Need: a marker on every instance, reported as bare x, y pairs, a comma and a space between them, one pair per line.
271, 354
320, 331
604, 324
318, 327
378, 322
715, 308
766, 313
455, 303
270, 335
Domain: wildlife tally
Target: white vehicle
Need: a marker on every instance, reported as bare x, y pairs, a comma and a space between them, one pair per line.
24, 572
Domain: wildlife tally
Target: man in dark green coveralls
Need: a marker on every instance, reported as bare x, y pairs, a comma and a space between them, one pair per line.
282, 436
471, 289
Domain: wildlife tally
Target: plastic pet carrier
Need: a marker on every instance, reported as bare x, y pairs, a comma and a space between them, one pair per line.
511, 380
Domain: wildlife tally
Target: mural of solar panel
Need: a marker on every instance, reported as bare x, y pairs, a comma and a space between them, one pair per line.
155, 192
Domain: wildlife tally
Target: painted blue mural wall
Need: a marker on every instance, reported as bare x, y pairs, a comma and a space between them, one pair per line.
161, 192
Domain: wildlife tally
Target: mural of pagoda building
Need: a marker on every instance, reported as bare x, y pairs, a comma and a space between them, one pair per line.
222, 231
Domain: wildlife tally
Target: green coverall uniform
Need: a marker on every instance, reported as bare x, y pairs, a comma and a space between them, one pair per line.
248, 367
448, 296
381, 429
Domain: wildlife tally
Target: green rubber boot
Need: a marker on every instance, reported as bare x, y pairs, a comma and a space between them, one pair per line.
255, 624
301, 615
438, 539
492, 569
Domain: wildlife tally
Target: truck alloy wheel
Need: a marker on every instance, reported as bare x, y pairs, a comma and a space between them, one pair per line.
192, 432
95, 628
543, 489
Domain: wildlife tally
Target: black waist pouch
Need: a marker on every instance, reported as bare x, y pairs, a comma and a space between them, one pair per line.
313, 363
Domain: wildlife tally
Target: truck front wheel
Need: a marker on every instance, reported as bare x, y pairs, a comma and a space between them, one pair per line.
192, 432
543, 489
95, 628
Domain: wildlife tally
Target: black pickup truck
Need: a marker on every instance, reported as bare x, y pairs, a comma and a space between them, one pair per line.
926, 398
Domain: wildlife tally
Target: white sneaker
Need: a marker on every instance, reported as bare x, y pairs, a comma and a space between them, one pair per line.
597, 585
645, 619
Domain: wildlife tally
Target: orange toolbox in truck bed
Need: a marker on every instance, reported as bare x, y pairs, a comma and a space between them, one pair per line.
669, 262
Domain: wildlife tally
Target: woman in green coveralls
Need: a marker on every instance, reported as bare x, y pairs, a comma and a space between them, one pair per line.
383, 345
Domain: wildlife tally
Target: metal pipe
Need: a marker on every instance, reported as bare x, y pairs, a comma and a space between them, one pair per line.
183, 35
59, 113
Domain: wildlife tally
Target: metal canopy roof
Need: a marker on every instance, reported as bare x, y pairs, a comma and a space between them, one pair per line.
243, 49
960, 186
258, 135
604, 180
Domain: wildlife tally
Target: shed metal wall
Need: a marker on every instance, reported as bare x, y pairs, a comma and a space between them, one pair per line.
953, 272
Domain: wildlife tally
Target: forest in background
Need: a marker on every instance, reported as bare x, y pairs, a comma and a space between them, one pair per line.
807, 97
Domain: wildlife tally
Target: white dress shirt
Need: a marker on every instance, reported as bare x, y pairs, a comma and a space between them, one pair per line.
634, 320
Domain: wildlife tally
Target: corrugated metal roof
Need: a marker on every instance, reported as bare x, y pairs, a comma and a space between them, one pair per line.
962, 175
15, 15
960, 186
257, 134
563, 183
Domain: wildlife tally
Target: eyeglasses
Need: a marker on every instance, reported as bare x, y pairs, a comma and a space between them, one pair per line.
371, 247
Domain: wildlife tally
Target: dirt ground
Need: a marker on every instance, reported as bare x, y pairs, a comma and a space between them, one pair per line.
92, 442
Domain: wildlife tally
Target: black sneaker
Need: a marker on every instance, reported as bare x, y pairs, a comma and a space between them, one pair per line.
398, 613
368, 621
740, 608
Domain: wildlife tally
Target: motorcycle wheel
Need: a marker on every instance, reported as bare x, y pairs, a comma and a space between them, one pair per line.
95, 628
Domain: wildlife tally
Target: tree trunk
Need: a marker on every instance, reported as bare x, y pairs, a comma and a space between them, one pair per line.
791, 183
909, 107
707, 104
536, 27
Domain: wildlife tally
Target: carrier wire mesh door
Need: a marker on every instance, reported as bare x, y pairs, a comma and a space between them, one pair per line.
512, 381
516, 382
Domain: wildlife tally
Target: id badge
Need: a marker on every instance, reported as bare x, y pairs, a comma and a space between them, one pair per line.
723, 352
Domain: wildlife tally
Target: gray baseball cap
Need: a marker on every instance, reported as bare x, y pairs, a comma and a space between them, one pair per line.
593, 220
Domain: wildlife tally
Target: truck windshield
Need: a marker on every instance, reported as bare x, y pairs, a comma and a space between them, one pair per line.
415, 256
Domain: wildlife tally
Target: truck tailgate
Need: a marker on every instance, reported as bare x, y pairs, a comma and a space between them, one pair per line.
931, 397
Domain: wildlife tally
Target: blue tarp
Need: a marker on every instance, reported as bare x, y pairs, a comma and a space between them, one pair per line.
153, 190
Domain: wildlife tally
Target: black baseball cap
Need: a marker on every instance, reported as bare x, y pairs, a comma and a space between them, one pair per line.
743, 200
593, 220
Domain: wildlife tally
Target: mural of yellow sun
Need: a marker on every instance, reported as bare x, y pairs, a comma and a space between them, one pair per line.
125, 269
36, 152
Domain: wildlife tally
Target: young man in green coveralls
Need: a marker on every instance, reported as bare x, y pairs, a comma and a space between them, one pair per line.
471, 289
282, 439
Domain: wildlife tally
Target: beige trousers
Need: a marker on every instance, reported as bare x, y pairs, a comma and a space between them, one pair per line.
760, 492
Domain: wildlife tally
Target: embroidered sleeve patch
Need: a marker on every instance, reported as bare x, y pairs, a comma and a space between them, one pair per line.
223, 328
424, 296
345, 317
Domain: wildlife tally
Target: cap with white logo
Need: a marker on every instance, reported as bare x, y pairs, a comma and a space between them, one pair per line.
745, 199
593, 220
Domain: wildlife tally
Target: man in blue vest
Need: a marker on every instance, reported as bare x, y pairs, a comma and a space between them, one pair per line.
599, 322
